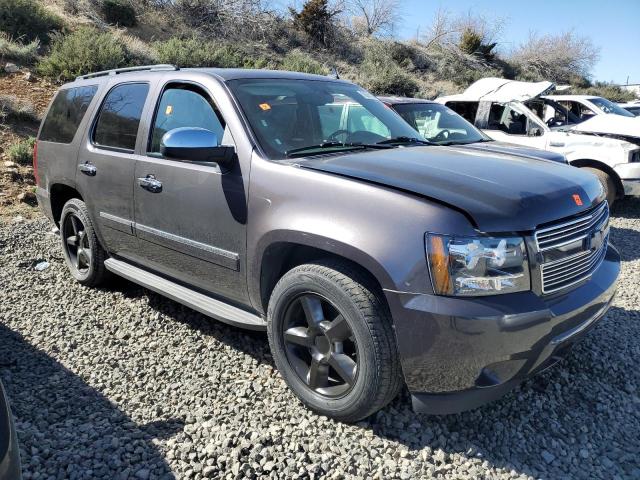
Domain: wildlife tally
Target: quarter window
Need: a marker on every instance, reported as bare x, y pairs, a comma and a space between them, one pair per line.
184, 106
66, 113
119, 117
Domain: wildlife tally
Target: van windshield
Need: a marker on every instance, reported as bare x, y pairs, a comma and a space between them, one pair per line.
290, 116
439, 124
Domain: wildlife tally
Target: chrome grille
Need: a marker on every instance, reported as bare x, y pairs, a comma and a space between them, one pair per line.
559, 269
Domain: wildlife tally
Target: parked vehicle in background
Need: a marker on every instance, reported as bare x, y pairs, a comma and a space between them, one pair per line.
585, 107
441, 125
9, 451
365, 252
632, 107
520, 113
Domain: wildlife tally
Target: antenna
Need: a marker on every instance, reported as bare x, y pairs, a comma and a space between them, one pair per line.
334, 74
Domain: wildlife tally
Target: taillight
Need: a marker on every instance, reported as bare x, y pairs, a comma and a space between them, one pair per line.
35, 162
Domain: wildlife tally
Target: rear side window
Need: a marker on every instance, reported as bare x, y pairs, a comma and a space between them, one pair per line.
119, 117
66, 113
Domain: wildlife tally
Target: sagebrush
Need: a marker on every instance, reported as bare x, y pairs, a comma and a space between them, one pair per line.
28, 20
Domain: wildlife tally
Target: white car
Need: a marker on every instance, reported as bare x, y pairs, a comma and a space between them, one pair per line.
584, 107
633, 107
520, 113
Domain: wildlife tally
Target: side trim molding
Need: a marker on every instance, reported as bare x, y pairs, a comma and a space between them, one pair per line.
207, 252
202, 303
117, 223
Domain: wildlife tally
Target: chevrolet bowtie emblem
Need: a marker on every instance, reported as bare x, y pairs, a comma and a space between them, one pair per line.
577, 199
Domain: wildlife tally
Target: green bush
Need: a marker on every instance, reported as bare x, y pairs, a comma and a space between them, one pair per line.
28, 20
83, 51
22, 152
194, 52
119, 12
21, 53
381, 74
298, 61
602, 89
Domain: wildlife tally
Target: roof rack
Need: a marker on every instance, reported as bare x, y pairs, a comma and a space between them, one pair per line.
116, 71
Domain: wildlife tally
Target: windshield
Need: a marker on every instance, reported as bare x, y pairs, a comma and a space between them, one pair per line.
607, 106
315, 116
439, 124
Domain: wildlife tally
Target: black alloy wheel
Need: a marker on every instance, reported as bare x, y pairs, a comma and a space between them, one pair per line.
320, 345
76, 243
83, 253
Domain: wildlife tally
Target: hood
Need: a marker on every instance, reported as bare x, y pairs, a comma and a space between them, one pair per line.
503, 90
516, 150
500, 193
610, 124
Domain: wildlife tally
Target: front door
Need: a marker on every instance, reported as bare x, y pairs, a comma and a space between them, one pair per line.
190, 217
106, 165
513, 123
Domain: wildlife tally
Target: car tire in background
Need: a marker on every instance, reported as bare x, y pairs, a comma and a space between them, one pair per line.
332, 340
607, 183
83, 253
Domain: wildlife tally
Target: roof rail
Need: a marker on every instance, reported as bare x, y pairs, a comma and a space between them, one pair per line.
116, 71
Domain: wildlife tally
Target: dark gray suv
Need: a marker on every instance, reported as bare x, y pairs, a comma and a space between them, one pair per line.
303, 206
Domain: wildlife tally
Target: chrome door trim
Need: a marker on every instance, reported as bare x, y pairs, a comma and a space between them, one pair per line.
207, 252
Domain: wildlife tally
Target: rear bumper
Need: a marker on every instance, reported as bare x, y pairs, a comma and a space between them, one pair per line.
9, 453
458, 353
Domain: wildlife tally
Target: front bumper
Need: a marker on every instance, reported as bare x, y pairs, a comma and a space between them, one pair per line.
458, 353
9, 453
631, 186
629, 173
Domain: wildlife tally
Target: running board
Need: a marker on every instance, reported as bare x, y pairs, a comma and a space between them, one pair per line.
202, 303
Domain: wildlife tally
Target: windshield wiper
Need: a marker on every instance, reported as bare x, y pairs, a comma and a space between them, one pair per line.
397, 140
320, 146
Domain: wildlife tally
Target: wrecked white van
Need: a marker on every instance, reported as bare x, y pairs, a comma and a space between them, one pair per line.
522, 114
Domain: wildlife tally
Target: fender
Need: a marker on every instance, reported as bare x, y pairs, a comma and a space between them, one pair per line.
298, 238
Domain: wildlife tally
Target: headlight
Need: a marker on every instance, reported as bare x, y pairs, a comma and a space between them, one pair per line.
472, 266
634, 156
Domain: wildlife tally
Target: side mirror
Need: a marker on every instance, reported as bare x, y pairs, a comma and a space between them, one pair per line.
535, 132
195, 145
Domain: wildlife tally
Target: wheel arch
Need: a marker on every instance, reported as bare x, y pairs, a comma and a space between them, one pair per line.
59, 194
586, 162
284, 253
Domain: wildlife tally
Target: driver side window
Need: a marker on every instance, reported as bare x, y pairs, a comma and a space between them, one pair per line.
185, 106
506, 119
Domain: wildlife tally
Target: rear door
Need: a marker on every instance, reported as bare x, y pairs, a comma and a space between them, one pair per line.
192, 225
106, 164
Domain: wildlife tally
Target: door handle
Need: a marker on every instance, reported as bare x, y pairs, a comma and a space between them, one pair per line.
88, 169
150, 184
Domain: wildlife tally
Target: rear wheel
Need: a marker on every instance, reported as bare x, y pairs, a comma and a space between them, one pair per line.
332, 341
82, 252
607, 183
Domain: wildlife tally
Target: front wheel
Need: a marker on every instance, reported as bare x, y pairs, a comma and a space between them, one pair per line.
332, 341
607, 183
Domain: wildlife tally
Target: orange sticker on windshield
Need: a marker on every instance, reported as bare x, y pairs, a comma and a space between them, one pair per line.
265, 106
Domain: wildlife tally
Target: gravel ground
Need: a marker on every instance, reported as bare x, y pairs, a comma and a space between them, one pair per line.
122, 383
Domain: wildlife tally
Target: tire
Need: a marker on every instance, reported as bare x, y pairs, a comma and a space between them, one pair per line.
83, 253
607, 183
340, 359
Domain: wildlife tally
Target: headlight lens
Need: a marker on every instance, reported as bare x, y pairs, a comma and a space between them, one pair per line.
634, 157
473, 266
